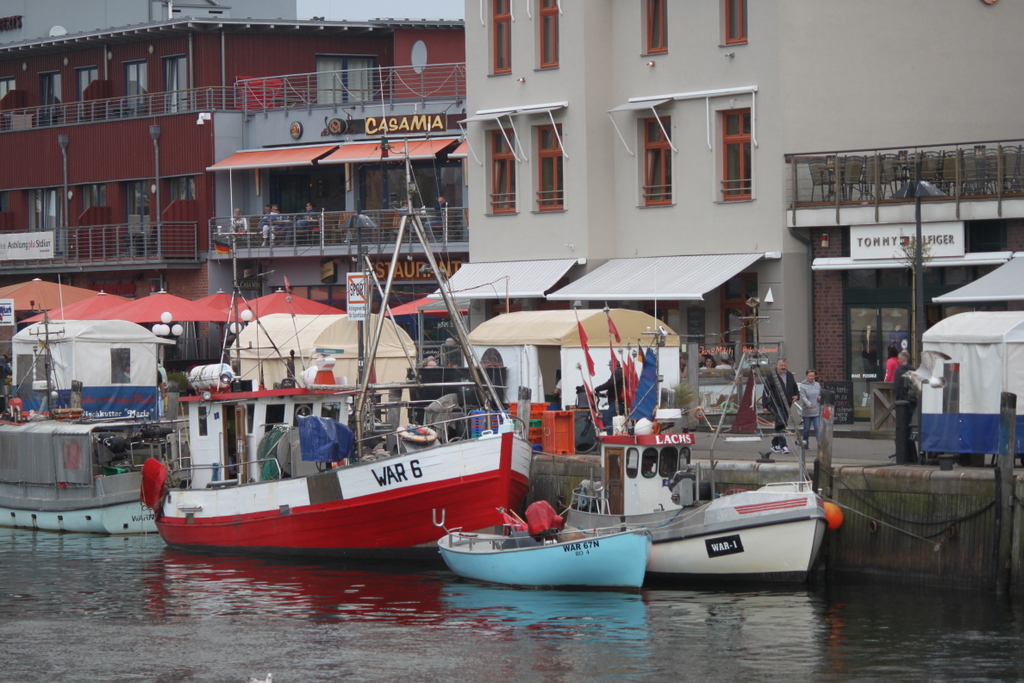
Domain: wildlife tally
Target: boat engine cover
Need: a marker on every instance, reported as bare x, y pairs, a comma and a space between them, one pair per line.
542, 520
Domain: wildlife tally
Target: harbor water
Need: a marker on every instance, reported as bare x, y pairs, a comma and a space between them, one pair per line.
92, 608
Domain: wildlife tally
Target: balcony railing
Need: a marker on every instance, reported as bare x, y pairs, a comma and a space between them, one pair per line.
325, 89
120, 244
344, 230
118, 108
355, 86
961, 171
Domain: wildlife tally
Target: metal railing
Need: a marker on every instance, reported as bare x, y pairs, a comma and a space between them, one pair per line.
313, 90
973, 170
118, 108
329, 229
119, 244
355, 86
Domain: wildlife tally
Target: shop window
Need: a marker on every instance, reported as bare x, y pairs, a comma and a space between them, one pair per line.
657, 33
550, 192
548, 33
735, 293
503, 172
735, 21
737, 171
986, 236
501, 40
657, 189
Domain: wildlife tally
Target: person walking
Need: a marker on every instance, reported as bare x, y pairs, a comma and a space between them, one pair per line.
810, 405
780, 392
906, 406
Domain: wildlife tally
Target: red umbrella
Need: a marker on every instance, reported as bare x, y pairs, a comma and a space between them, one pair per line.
280, 302
150, 309
220, 301
413, 307
40, 295
86, 309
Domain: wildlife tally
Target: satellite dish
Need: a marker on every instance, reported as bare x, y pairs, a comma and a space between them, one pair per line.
58, 31
418, 57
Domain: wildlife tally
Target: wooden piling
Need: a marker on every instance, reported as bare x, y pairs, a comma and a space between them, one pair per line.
1004, 489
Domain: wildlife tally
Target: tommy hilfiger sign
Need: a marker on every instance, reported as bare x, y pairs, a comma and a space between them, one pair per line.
892, 241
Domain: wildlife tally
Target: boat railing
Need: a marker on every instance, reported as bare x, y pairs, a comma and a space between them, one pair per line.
186, 473
589, 497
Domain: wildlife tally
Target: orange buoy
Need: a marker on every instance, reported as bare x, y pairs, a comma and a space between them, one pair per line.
833, 515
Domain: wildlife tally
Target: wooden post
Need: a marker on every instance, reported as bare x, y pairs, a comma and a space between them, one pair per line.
1004, 488
823, 464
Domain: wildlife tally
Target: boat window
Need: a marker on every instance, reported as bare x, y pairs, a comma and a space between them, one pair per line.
632, 461
649, 462
669, 462
202, 420
275, 414
331, 410
250, 416
120, 366
301, 410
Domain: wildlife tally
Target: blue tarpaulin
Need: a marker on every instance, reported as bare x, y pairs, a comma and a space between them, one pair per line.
324, 440
646, 389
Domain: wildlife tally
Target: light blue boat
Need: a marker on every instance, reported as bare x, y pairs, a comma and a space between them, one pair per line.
592, 558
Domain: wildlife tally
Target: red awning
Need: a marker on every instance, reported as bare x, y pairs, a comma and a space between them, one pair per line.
370, 152
273, 158
460, 152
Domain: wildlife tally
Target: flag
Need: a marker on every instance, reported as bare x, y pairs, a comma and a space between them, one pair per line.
586, 347
647, 389
287, 285
592, 404
221, 246
612, 330
631, 379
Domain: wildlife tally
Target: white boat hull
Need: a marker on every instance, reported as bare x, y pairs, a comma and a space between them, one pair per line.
119, 519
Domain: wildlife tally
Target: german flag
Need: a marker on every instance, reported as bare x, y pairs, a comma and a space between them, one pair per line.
221, 246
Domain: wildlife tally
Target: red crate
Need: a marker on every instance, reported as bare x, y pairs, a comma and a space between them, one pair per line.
559, 432
537, 435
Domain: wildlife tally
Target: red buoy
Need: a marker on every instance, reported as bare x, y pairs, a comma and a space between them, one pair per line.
833, 515
154, 481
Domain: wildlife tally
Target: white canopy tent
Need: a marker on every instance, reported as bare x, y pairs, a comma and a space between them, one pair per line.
533, 344
312, 336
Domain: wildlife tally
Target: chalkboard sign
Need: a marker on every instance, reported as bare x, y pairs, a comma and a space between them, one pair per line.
842, 393
695, 325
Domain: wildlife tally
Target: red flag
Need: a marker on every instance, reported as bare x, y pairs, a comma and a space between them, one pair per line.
595, 414
632, 380
586, 347
287, 285
612, 330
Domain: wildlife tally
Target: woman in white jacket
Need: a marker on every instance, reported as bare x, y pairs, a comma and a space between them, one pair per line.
810, 405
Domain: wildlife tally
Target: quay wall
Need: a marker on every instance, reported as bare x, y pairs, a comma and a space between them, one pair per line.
904, 523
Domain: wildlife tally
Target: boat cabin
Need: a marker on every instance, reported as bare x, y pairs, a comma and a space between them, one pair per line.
638, 471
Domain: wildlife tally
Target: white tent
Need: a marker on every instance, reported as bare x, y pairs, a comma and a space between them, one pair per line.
113, 359
313, 336
986, 350
533, 344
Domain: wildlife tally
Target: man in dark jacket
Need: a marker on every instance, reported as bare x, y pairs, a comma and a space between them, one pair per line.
906, 406
613, 389
780, 392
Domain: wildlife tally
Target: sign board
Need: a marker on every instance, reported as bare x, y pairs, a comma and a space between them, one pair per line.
357, 296
6, 312
893, 241
842, 393
25, 246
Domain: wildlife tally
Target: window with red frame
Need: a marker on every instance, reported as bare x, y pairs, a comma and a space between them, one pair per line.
735, 21
502, 39
736, 166
550, 190
657, 33
548, 34
657, 162
503, 172
735, 293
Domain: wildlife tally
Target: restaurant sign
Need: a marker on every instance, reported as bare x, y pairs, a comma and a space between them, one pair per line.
26, 246
388, 125
414, 269
896, 241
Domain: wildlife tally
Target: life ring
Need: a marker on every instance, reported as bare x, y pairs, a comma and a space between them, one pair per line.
417, 434
698, 413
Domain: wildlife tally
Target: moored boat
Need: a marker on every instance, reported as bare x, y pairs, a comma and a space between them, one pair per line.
550, 557
769, 534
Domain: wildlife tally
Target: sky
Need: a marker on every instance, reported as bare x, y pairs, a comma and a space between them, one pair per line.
362, 10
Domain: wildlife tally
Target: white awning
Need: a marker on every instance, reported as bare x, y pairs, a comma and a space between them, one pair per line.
1002, 284
673, 278
526, 109
512, 279
981, 258
642, 104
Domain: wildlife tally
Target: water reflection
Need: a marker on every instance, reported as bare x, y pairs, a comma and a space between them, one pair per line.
112, 609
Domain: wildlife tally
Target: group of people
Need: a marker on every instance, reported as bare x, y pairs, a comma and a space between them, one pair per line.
782, 393
275, 227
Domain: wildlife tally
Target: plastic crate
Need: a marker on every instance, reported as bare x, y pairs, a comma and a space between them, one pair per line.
481, 421
537, 435
537, 410
559, 432
536, 423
